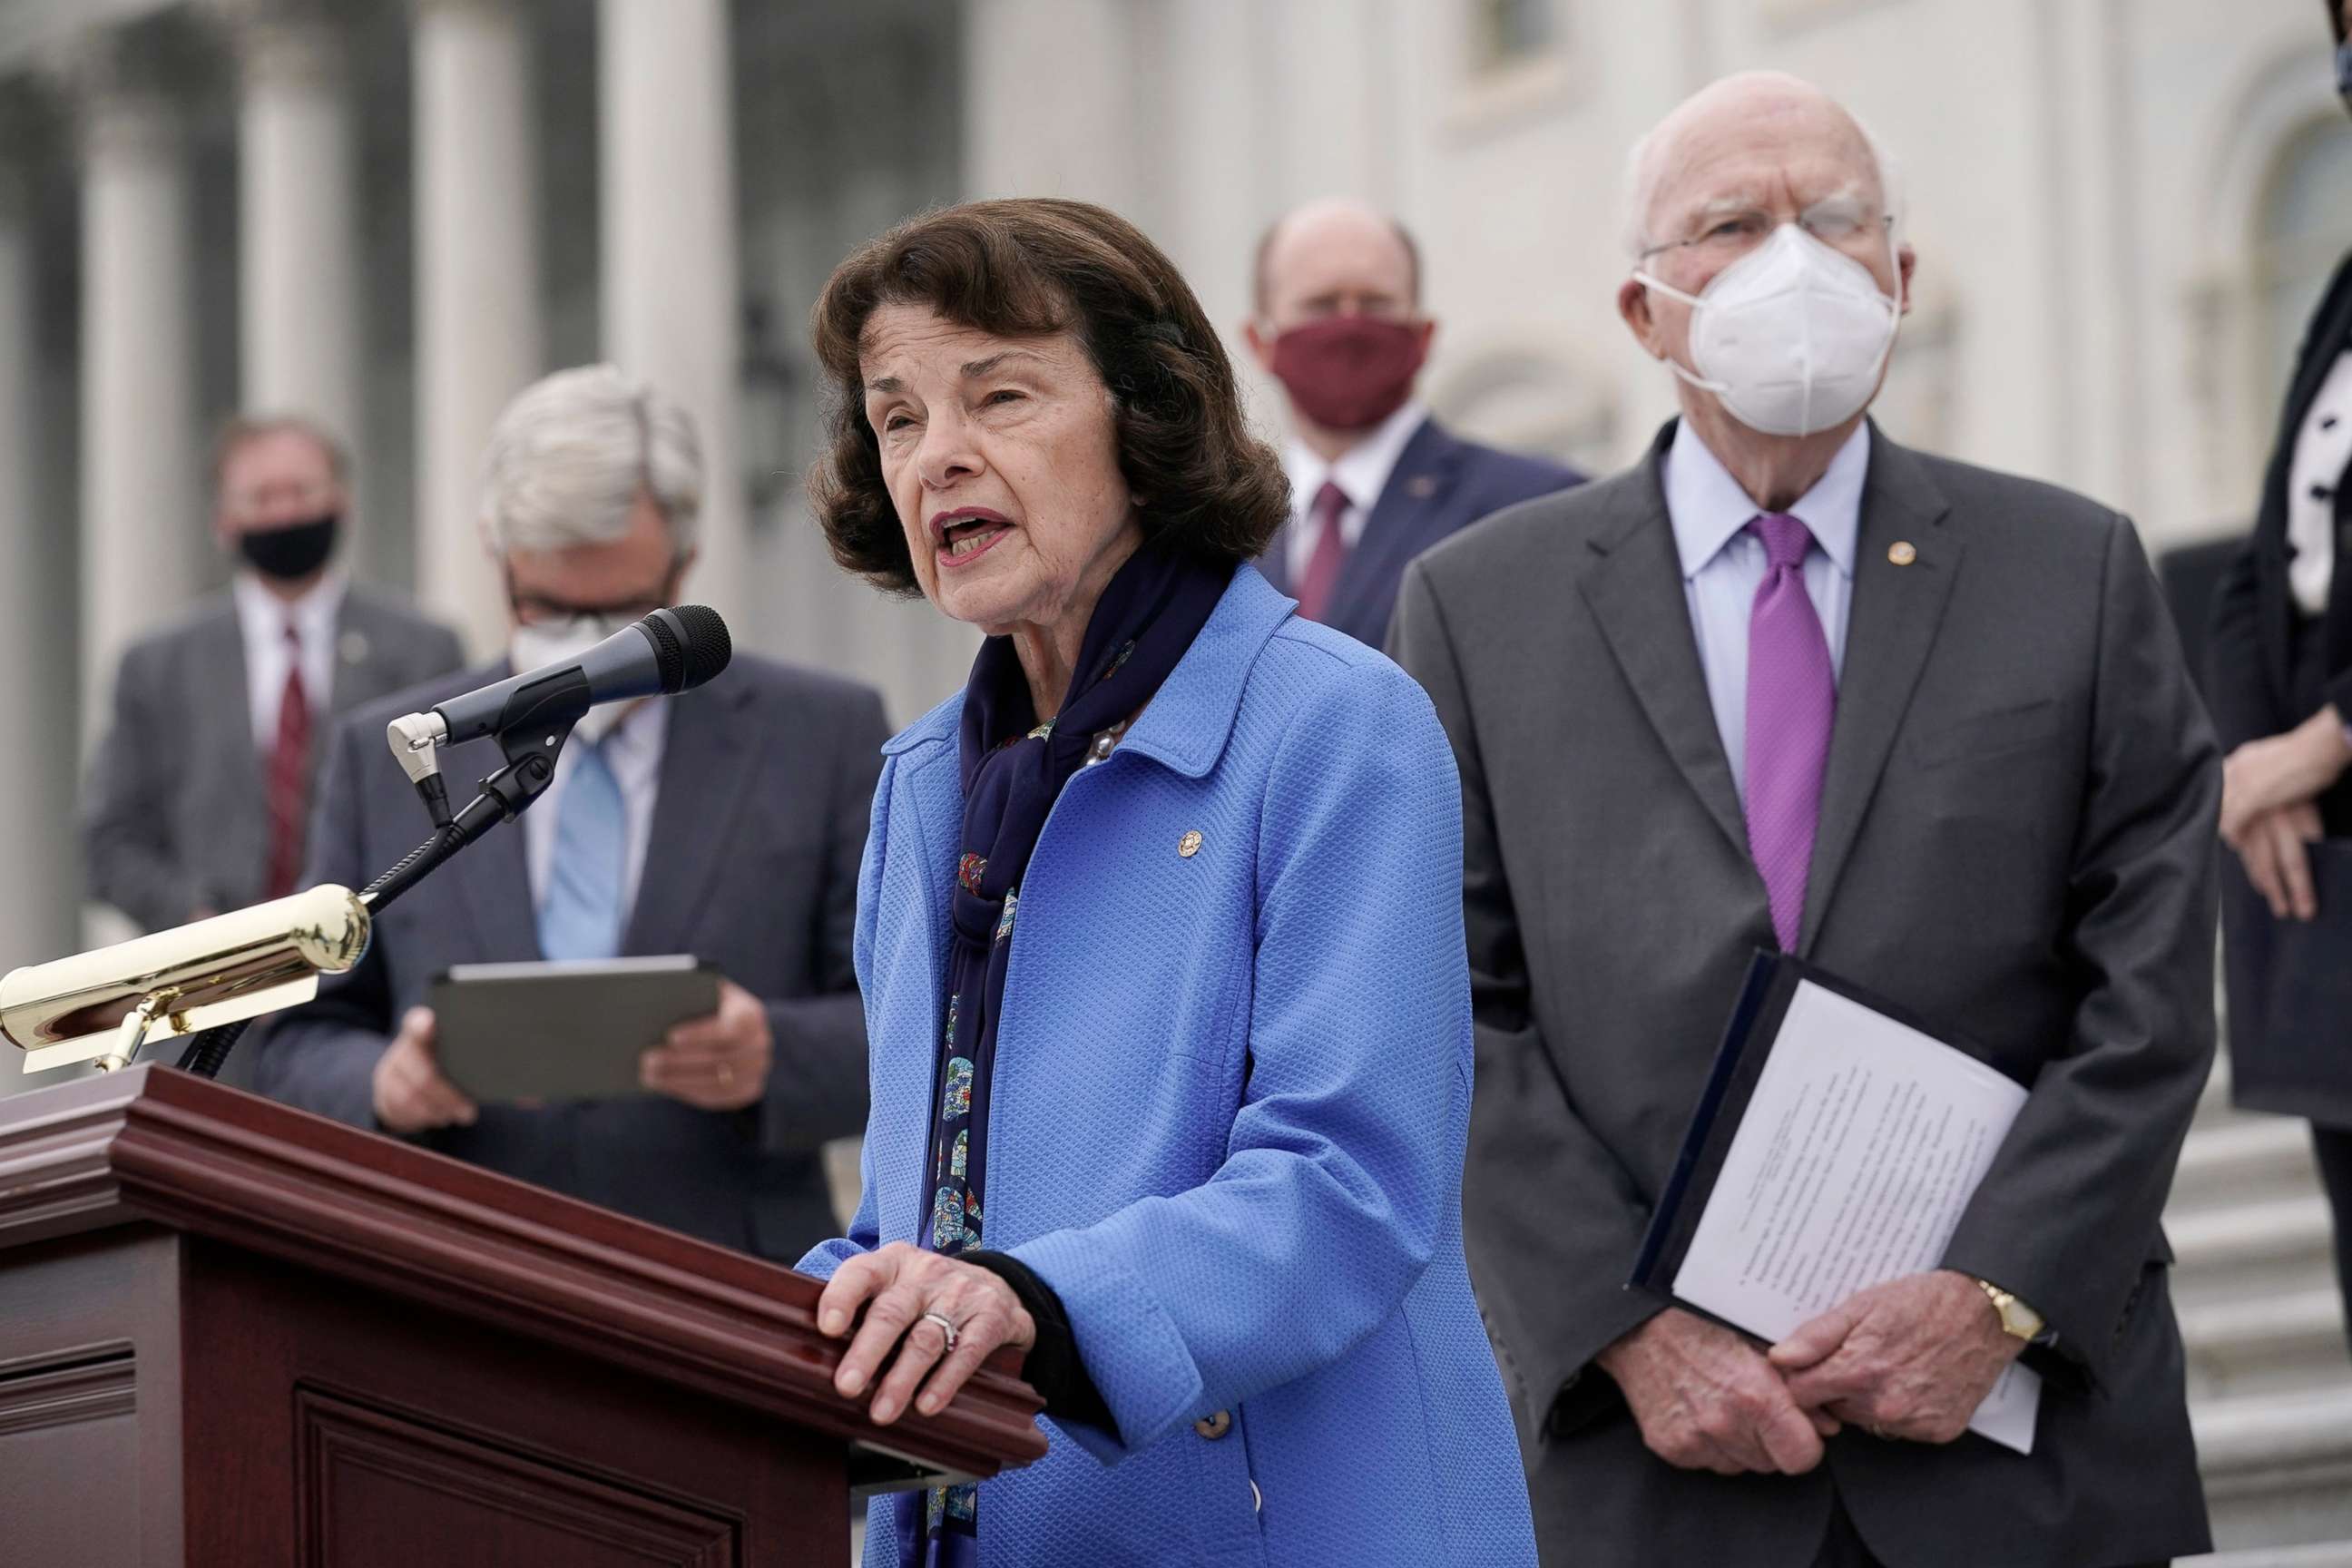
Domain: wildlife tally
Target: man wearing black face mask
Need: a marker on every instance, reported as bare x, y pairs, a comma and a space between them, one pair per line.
1374, 479
198, 795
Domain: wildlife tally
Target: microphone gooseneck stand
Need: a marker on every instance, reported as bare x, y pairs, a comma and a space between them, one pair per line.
530, 744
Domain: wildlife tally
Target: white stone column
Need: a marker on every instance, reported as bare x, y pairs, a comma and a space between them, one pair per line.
672, 291
1055, 101
143, 515
37, 696
480, 334
299, 220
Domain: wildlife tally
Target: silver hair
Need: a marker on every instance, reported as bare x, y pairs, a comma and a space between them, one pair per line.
1641, 184
571, 455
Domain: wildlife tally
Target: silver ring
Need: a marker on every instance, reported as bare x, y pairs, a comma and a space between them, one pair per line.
945, 1327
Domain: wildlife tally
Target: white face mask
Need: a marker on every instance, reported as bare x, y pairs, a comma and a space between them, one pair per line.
560, 642
1792, 336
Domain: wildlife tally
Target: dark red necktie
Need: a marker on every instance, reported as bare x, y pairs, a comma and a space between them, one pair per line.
1330, 553
289, 775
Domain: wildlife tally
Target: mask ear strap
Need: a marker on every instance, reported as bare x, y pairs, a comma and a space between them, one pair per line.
1668, 289
1717, 388
1894, 318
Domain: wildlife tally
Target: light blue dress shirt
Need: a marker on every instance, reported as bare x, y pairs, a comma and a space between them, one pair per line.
1723, 565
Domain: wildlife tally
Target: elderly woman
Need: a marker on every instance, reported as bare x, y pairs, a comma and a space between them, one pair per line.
1160, 936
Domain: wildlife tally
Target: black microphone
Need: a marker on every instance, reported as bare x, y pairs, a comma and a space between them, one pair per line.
669, 651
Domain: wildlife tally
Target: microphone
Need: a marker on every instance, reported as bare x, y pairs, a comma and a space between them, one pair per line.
669, 651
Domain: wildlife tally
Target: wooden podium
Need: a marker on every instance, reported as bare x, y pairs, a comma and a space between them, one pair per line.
236, 1335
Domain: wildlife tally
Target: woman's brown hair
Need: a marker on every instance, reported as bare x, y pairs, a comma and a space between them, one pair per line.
1032, 268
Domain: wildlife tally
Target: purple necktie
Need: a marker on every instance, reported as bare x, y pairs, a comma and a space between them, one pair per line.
1792, 697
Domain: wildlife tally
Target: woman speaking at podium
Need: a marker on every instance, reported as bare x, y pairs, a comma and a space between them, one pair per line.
1160, 932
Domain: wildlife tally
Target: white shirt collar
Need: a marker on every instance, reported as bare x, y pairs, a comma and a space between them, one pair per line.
261, 620
1363, 470
263, 615
1708, 508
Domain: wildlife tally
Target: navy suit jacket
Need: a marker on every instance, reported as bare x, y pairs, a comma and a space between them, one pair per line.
1440, 486
767, 778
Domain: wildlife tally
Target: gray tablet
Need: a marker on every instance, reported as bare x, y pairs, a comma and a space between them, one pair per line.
562, 1031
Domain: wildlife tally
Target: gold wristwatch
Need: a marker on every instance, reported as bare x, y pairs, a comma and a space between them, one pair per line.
2018, 1321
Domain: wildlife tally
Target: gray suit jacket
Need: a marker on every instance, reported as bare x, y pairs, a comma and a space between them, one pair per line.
767, 779
175, 814
2016, 843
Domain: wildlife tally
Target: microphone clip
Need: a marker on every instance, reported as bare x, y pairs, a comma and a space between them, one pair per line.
538, 719
416, 740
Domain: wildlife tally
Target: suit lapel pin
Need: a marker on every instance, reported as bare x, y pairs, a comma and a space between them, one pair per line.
1189, 845
352, 647
1901, 553
1421, 486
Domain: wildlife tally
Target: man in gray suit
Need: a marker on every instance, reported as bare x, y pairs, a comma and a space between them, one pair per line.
198, 792
1788, 685
726, 822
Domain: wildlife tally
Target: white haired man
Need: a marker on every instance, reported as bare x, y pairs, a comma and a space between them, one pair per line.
726, 822
1928, 728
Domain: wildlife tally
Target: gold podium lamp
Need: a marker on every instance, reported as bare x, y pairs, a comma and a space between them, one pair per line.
107, 1003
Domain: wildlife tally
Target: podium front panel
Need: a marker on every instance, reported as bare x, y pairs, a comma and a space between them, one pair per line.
353, 1432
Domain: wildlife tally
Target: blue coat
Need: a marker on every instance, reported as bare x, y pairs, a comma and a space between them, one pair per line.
1441, 485
1231, 1093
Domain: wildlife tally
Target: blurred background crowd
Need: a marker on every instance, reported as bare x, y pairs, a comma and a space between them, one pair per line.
386, 217
389, 217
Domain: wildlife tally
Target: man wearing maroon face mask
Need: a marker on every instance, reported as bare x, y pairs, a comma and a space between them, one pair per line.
1374, 479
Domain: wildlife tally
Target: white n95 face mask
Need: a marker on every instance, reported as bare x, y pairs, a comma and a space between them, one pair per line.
1792, 337
562, 642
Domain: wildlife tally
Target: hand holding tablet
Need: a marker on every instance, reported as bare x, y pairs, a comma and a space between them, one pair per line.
511, 1033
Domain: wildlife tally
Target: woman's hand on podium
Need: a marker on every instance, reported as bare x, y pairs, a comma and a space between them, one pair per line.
911, 1297
411, 1095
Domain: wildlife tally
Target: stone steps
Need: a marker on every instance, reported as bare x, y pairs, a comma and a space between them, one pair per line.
2327, 1554
2243, 1161
2268, 1247
2278, 1468
2269, 1379
2260, 1344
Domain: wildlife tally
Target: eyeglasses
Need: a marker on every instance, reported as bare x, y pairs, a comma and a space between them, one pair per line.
261, 499
536, 609
1724, 237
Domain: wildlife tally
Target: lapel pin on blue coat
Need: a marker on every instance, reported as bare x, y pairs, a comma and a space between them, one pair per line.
1189, 845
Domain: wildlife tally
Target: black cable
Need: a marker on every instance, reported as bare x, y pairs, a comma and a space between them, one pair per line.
414, 868
208, 1050
504, 795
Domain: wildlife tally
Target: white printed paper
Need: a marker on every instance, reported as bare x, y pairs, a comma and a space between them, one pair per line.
1860, 1147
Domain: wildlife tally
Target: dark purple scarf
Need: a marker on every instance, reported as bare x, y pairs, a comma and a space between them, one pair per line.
1013, 769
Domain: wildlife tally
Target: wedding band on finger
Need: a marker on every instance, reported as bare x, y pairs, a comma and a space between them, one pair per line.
945, 1327
1880, 1433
